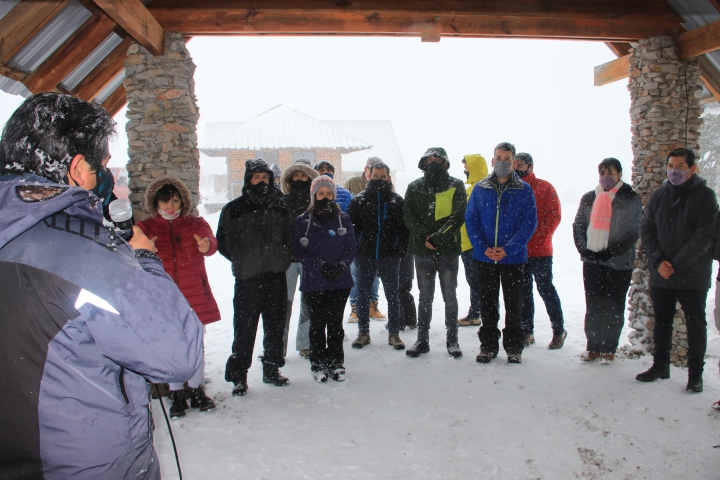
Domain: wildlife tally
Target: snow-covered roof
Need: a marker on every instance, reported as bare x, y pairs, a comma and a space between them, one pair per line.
283, 127
380, 134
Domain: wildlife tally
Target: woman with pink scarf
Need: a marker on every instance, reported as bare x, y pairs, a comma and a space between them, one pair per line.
606, 227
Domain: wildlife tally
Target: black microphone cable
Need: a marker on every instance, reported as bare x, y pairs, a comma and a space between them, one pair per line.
172, 437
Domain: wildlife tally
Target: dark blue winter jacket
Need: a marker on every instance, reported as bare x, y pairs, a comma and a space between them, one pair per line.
501, 216
84, 325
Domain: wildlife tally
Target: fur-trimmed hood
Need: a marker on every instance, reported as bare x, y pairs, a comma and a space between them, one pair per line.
290, 171
187, 203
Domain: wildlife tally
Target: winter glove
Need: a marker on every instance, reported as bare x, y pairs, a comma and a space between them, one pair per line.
332, 271
591, 256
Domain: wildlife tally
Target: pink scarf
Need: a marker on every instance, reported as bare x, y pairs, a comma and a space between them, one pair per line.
598, 231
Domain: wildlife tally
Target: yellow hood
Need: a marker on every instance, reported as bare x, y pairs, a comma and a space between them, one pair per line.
477, 166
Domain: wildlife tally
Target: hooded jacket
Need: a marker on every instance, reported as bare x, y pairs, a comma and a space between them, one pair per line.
377, 218
501, 216
549, 216
255, 233
435, 210
85, 325
624, 228
297, 201
477, 170
177, 248
679, 226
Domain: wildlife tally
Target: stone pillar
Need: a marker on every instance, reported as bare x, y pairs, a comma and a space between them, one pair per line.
162, 118
658, 111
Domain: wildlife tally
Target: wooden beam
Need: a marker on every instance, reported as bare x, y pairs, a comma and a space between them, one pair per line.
710, 76
103, 74
23, 22
619, 49
12, 73
135, 19
116, 101
70, 54
607, 20
698, 41
612, 71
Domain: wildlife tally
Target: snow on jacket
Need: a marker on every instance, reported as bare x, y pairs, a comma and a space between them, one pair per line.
501, 216
435, 212
679, 226
624, 228
325, 244
548, 216
377, 218
255, 235
477, 170
85, 325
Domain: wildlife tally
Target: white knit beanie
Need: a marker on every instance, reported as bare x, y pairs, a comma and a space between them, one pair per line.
320, 182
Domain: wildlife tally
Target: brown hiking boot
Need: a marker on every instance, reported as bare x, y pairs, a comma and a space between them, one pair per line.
361, 340
558, 341
375, 313
589, 356
607, 357
395, 341
469, 322
305, 353
528, 339
353, 315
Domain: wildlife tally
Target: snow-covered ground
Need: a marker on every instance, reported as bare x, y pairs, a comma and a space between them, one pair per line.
553, 417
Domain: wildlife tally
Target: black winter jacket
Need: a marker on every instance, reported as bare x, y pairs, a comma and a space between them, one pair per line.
377, 218
256, 236
679, 226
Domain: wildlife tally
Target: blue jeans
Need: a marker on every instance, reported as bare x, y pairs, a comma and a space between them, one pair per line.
473, 281
541, 269
446, 268
369, 269
354, 289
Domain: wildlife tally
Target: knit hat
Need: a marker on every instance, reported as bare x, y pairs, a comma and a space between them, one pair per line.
434, 152
323, 162
257, 166
320, 182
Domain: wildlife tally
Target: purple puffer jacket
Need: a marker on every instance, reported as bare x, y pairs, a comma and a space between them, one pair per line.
324, 244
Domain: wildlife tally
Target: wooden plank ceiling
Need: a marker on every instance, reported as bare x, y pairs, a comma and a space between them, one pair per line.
616, 22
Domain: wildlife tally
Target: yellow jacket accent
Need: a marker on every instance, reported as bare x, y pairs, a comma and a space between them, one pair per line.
478, 169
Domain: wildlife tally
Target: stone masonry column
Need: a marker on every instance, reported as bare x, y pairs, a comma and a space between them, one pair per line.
163, 115
658, 111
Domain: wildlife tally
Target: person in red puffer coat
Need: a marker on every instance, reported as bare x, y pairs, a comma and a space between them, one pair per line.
540, 253
183, 241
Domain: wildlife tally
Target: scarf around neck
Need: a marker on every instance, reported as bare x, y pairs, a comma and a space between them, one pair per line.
598, 232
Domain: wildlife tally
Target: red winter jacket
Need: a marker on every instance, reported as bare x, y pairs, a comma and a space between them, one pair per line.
177, 248
548, 215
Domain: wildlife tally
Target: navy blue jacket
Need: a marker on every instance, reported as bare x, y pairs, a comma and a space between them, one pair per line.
377, 217
501, 216
84, 325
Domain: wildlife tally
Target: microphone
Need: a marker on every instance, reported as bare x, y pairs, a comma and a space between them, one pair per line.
122, 216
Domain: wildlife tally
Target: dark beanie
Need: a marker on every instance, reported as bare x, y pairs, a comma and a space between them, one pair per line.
525, 157
257, 166
323, 162
434, 152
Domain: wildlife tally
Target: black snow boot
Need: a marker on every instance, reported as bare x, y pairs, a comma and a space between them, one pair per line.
658, 370
240, 387
420, 347
179, 405
200, 400
271, 374
695, 382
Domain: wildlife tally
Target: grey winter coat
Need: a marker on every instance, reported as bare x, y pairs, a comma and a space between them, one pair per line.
624, 228
679, 226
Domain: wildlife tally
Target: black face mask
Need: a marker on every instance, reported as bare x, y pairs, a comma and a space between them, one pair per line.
380, 185
324, 205
300, 185
434, 167
467, 175
259, 189
522, 173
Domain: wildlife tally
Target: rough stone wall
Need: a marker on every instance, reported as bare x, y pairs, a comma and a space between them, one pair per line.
658, 112
163, 115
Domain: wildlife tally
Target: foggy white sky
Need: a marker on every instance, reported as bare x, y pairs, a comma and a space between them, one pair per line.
465, 95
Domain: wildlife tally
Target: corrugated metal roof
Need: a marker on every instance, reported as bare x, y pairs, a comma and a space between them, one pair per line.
378, 132
110, 87
285, 127
92, 61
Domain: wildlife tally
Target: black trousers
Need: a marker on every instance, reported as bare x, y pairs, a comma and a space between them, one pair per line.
693, 306
264, 295
490, 278
408, 312
327, 309
605, 293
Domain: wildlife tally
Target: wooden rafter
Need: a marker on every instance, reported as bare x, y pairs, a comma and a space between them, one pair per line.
103, 74
698, 41
116, 101
71, 53
609, 20
612, 71
135, 19
21, 23
13, 73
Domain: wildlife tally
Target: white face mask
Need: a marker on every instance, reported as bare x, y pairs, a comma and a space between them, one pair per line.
168, 215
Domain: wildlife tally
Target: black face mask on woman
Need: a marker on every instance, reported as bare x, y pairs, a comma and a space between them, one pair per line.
300, 185
324, 205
